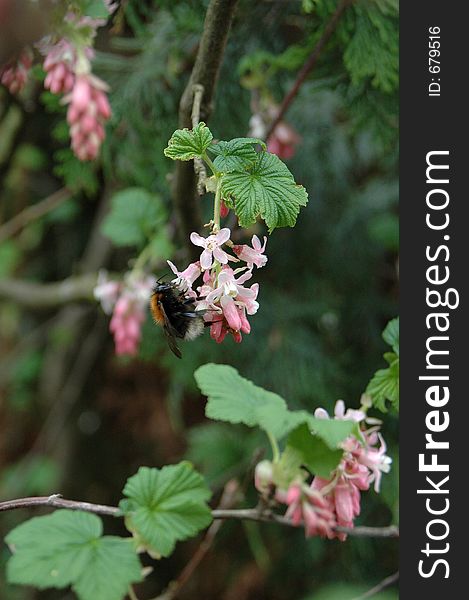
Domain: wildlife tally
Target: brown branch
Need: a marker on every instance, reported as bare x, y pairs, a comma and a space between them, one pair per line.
39, 296
381, 586
309, 64
56, 501
228, 499
204, 73
247, 514
31, 213
199, 167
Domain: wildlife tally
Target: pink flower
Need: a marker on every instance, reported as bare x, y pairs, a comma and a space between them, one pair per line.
185, 279
87, 112
252, 256
283, 141
126, 324
15, 74
59, 66
226, 305
212, 247
229, 285
107, 292
361, 464
129, 310
307, 506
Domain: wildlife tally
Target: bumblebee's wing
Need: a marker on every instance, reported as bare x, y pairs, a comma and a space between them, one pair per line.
170, 333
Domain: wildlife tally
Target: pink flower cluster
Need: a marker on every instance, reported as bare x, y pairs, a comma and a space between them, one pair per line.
15, 74
59, 65
283, 141
327, 503
88, 107
87, 113
127, 301
222, 297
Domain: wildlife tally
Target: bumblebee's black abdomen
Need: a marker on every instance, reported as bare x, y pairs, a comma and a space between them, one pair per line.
171, 308
178, 310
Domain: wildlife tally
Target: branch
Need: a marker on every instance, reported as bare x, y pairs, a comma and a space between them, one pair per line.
56, 501
378, 588
32, 213
204, 73
199, 167
229, 497
48, 295
309, 64
247, 514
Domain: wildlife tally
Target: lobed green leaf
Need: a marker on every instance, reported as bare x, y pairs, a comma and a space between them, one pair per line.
235, 399
186, 144
266, 189
315, 454
235, 155
67, 549
165, 506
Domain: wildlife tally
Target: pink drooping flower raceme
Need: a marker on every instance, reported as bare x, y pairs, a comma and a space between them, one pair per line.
326, 503
60, 64
222, 297
308, 507
363, 462
15, 74
128, 302
87, 113
283, 141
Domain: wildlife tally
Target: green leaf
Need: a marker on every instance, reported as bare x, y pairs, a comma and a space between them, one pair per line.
135, 215
66, 548
236, 154
186, 144
385, 384
391, 334
266, 189
235, 399
166, 505
96, 9
315, 454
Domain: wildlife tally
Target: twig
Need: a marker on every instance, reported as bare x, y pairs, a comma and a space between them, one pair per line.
309, 64
381, 586
56, 501
205, 73
38, 296
199, 167
31, 213
248, 514
228, 499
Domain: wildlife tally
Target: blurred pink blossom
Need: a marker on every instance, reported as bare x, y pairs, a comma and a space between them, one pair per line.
283, 141
87, 113
128, 302
59, 65
14, 75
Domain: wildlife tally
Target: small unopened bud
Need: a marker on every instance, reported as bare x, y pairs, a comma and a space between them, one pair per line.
263, 476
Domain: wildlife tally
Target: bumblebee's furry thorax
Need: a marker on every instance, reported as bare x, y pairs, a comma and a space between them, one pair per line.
176, 312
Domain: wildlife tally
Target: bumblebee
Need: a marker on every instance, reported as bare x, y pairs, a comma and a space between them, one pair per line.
175, 311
